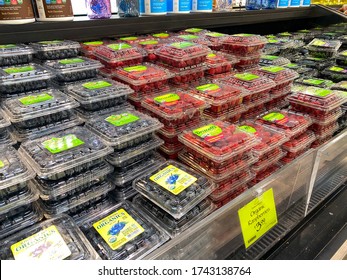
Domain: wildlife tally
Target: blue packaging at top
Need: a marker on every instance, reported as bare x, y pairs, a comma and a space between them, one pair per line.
269, 4
295, 3
202, 6
282, 3
179, 6
305, 3
153, 7
253, 4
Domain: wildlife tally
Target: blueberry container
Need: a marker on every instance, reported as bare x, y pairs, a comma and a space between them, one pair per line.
65, 239
266, 60
14, 54
122, 233
316, 62
7, 138
124, 192
55, 49
335, 73
303, 71
4, 121
323, 48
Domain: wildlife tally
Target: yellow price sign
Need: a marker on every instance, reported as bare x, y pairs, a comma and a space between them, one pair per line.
258, 217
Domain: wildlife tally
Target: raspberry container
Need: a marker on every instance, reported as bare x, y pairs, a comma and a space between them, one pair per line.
300, 142
182, 54
253, 112
277, 103
99, 93
268, 159
124, 192
263, 174
335, 73
269, 138
173, 227
247, 62
195, 31
143, 79
321, 117
323, 130
149, 47
124, 128
323, 48
291, 123
88, 48
162, 35
127, 156
187, 77
235, 193
65, 238
219, 62
122, 233
174, 187
119, 55
218, 140
215, 40
23, 78
316, 62
169, 151
273, 60
73, 69
233, 114
56, 49
316, 82
131, 39
62, 151
321, 141
14, 54
291, 156
244, 44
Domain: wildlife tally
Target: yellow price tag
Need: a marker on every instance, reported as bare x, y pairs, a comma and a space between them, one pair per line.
258, 217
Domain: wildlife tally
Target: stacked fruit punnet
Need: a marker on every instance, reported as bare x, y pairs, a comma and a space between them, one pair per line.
219, 63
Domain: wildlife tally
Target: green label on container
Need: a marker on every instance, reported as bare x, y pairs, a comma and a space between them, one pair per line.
270, 36
210, 133
286, 34
272, 41
214, 34
167, 98
96, 85
130, 38
138, 68
343, 84
50, 42
316, 58
304, 31
193, 30
315, 82
34, 99
122, 119
292, 65
9, 46
243, 35
248, 129
93, 43
15, 70
58, 145
161, 35
273, 69
117, 47
71, 61
182, 45
208, 88
188, 37
320, 43
149, 42
269, 57
2, 164
344, 53
337, 69
320, 92
274, 117
246, 77
211, 55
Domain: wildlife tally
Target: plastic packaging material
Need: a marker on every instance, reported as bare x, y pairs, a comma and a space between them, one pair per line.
88, 48
150, 45
335, 73
291, 156
219, 62
98, 9
62, 151
52, 190
321, 141
91, 115
123, 175
37, 105
275, 45
320, 117
215, 40
235, 193
244, 44
273, 60
14, 54
144, 78
6, 138
66, 239
99, 93
124, 192
277, 103
173, 227
182, 54
127, 156
266, 172
268, 159
119, 55
73, 69
269, 138
19, 218
323, 130
328, 36
317, 99
23, 78
342, 86
247, 62
136, 237
187, 77
233, 113
131, 39
316, 82
218, 140
323, 48
174, 187
253, 112
163, 35
170, 151
343, 40
195, 31
300, 142
316, 62
56, 49
4, 121
302, 70
308, 36
124, 128
291, 123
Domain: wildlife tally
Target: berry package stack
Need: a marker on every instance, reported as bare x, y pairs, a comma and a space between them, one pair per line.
219, 65
131, 134
223, 152
342, 86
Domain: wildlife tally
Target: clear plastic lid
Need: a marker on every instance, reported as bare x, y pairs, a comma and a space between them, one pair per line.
63, 150
278, 74
268, 159
90, 46
65, 239
13, 54
316, 62
340, 86
95, 90
291, 123
315, 82
131, 39
323, 131
273, 60
125, 192
122, 233
300, 142
172, 226
323, 48
119, 158
88, 115
319, 98
7, 138
218, 59
244, 39
336, 73
54, 45
269, 138
12, 169
37, 104
162, 35
174, 187
218, 140
142, 74
72, 65
123, 126
4, 122
195, 30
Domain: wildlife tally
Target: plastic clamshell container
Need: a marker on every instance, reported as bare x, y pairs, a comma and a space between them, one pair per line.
244, 44
136, 236
73, 69
37, 104
268, 159
4, 121
174, 187
88, 115
124, 175
247, 62
318, 98
219, 62
63, 150
88, 47
266, 172
342, 86
280, 75
124, 128
267, 60
315, 82
125, 192
195, 31
323, 48
269, 138
23, 78
335, 73
66, 239
186, 77
124, 157
218, 140
7, 138
172, 226
341, 58
291, 123
300, 142
55, 49
14, 54
302, 70
119, 55
13, 170
322, 131
182, 54
316, 62
324, 118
